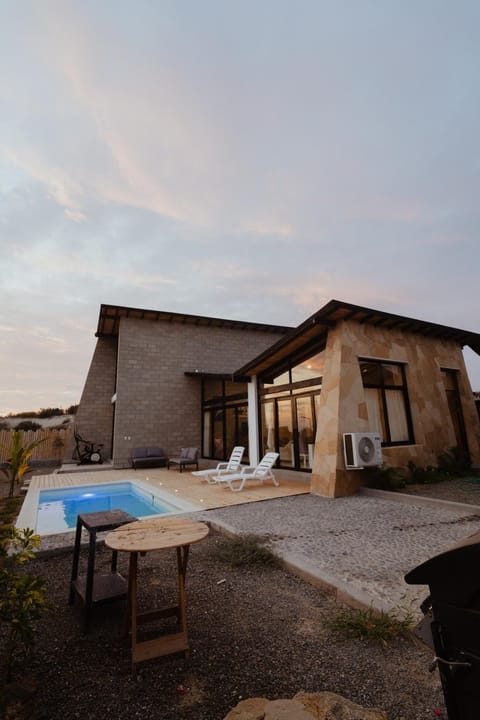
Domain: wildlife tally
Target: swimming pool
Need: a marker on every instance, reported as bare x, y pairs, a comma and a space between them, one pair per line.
55, 510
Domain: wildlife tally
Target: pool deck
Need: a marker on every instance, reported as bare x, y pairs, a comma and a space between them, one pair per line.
358, 547
181, 488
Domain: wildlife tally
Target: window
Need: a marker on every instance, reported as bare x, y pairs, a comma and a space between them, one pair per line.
225, 418
288, 405
452, 391
387, 401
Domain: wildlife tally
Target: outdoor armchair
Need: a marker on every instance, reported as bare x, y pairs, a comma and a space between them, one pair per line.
188, 456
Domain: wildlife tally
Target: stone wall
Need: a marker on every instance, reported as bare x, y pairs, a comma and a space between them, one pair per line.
343, 407
157, 404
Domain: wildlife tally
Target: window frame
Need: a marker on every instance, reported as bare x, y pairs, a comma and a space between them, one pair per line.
383, 387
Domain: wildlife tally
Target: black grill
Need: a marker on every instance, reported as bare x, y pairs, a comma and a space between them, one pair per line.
451, 625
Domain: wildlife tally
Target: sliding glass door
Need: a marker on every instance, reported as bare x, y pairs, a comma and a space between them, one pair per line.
288, 413
225, 418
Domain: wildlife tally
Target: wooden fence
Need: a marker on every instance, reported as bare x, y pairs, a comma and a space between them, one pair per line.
52, 448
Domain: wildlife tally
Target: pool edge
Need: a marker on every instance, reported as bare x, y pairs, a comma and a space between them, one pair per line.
27, 518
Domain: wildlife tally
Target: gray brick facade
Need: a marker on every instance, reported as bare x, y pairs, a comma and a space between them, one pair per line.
94, 419
156, 403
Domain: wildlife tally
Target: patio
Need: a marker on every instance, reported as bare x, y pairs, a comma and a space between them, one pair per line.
182, 484
358, 548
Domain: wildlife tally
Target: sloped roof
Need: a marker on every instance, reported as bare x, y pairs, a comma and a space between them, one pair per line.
110, 316
312, 333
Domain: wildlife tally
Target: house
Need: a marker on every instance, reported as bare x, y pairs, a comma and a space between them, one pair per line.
174, 380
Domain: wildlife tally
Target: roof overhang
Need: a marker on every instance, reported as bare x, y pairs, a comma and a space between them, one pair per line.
111, 315
311, 335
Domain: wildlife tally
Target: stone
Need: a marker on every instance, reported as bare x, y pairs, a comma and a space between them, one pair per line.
287, 710
304, 706
251, 709
330, 706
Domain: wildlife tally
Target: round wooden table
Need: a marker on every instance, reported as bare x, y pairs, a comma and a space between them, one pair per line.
145, 536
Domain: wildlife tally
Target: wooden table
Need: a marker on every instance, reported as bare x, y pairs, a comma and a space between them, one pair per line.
145, 536
96, 587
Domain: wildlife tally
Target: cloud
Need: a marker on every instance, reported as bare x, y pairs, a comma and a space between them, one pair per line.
242, 161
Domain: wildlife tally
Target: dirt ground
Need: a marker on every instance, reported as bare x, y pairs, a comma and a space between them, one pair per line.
253, 633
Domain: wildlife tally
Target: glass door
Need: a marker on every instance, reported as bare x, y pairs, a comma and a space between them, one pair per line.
305, 430
286, 446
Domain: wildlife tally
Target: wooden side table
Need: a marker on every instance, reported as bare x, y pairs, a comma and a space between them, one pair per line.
144, 536
93, 588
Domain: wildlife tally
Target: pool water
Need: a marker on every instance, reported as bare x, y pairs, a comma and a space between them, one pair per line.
58, 508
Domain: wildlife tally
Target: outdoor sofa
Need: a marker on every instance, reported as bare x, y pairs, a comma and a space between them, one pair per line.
153, 456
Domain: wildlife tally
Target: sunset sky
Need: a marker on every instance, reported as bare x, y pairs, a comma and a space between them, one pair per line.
249, 160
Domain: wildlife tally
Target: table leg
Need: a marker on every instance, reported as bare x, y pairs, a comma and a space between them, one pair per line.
182, 560
76, 559
132, 602
90, 574
168, 643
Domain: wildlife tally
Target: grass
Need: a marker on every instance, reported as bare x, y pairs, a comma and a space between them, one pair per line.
371, 625
245, 551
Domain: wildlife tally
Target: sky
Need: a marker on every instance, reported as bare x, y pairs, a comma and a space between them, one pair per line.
248, 160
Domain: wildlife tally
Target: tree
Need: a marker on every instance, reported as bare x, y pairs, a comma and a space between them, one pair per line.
28, 425
49, 412
18, 459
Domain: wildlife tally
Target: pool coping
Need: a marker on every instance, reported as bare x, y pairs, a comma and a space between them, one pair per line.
27, 517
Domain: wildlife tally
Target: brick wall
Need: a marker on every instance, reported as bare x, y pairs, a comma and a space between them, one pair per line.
156, 403
94, 417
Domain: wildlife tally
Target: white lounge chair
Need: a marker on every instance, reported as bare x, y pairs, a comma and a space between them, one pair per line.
261, 472
232, 466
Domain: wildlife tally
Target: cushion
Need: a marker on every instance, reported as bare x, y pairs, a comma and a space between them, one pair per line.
189, 453
154, 452
139, 452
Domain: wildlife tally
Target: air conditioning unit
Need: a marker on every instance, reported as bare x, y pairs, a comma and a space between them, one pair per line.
362, 450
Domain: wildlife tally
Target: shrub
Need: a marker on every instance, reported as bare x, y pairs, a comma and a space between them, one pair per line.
22, 597
49, 412
453, 462
386, 478
245, 550
28, 425
424, 475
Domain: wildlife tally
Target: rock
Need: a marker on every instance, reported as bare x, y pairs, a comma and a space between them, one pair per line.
252, 709
287, 710
304, 706
330, 706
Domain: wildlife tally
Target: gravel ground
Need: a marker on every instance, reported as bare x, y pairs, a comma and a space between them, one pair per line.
253, 633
